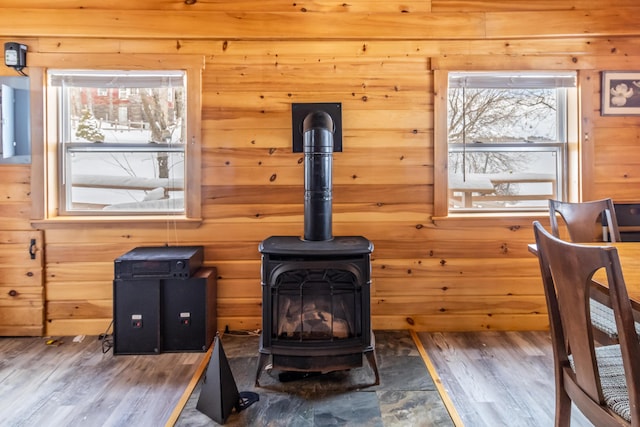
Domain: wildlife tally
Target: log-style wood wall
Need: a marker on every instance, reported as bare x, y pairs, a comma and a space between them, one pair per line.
376, 58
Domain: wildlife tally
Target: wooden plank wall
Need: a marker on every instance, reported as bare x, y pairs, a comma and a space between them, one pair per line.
373, 56
22, 296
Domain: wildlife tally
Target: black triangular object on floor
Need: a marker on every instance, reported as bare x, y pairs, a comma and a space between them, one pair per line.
219, 392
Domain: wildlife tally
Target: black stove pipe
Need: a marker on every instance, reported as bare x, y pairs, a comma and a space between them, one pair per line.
318, 161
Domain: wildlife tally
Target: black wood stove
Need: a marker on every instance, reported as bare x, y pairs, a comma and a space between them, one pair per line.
316, 308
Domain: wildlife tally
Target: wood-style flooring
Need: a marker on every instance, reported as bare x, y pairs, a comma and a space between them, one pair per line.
71, 383
497, 378
490, 378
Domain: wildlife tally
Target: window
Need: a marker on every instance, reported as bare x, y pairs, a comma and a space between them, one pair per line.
121, 140
55, 144
507, 139
15, 138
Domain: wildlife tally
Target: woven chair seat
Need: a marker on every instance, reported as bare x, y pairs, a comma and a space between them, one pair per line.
614, 386
602, 319
600, 379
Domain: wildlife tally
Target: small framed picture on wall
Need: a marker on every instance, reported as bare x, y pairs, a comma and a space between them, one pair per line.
620, 93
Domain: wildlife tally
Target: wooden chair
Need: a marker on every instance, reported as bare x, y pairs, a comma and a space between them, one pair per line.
592, 221
602, 381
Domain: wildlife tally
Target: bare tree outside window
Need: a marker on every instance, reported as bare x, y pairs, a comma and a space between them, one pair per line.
480, 116
123, 135
501, 130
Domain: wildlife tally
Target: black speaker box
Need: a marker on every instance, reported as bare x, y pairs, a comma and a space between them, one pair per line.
136, 317
188, 310
164, 315
219, 392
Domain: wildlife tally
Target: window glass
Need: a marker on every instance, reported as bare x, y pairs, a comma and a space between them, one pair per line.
121, 140
507, 139
15, 136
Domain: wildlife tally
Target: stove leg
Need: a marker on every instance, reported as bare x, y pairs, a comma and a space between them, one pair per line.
371, 357
262, 362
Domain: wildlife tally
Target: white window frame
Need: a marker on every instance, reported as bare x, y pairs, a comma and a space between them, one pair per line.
441, 69
117, 174
46, 175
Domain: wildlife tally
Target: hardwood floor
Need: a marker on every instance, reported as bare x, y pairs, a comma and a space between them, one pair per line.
497, 378
492, 379
76, 384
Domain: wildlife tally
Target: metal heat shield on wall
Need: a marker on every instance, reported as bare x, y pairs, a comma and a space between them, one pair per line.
300, 110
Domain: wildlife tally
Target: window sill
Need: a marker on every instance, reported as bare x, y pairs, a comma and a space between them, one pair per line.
485, 218
143, 221
488, 214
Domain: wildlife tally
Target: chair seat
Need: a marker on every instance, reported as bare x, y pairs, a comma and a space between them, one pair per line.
600, 379
603, 319
614, 386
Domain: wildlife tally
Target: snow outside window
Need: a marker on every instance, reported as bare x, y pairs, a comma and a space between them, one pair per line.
121, 141
507, 139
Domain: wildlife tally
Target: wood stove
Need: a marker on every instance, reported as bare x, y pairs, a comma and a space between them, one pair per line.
316, 289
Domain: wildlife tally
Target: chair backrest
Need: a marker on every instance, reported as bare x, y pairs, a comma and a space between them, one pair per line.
567, 270
592, 221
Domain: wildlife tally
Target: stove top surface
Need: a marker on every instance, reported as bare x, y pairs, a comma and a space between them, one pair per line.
340, 245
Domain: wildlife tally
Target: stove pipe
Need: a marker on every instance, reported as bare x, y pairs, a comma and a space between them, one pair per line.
318, 159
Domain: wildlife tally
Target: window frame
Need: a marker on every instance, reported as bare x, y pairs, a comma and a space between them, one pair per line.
61, 84
45, 177
441, 67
